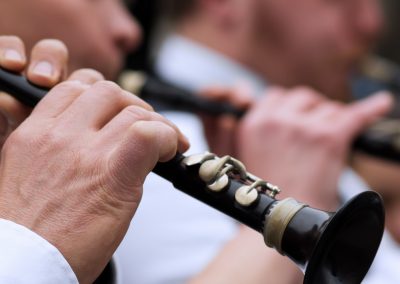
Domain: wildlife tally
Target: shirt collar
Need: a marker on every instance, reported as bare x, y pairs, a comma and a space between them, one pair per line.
193, 66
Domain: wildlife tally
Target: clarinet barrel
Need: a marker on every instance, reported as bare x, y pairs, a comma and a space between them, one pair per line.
329, 247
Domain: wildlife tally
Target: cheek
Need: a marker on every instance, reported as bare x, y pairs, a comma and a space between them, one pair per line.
50, 19
85, 38
327, 33
26, 19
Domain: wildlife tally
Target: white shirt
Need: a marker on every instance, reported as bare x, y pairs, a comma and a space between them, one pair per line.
195, 67
25, 257
385, 268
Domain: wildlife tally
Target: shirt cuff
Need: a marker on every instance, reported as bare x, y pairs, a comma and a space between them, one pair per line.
25, 257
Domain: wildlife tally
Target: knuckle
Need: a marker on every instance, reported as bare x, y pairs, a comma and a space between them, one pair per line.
87, 72
275, 91
51, 45
15, 139
327, 138
274, 122
295, 129
150, 133
111, 88
143, 134
136, 112
157, 116
149, 107
247, 127
305, 92
169, 131
133, 99
107, 86
270, 123
335, 106
53, 137
28, 138
69, 86
303, 89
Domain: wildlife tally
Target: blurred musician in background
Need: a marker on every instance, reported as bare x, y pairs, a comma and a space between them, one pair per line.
329, 48
257, 43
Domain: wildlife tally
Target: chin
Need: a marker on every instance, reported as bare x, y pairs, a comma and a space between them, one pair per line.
113, 70
112, 75
336, 89
110, 70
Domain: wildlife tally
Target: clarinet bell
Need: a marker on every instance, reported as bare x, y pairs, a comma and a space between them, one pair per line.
330, 247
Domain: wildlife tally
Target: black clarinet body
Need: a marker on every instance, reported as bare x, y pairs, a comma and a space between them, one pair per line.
165, 95
325, 245
330, 247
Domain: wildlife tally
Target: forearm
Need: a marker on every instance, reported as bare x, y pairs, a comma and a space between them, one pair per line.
246, 259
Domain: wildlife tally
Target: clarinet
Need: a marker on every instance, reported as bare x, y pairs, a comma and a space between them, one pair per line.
330, 247
380, 140
167, 96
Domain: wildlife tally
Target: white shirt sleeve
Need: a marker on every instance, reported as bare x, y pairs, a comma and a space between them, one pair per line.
25, 257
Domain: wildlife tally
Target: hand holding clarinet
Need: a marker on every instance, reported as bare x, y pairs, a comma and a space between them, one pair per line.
73, 171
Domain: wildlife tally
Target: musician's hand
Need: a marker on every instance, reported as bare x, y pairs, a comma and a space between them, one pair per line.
46, 67
73, 170
300, 140
220, 130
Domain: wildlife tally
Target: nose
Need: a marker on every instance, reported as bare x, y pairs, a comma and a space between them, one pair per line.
126, 31
368, 19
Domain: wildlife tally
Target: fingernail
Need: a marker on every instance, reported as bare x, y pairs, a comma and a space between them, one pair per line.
13, 55
43, 68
